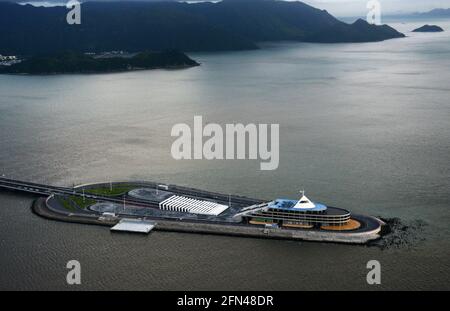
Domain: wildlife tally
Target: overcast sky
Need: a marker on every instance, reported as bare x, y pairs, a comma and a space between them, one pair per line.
348, 7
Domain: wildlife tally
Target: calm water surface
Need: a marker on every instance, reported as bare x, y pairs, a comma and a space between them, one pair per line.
362, 126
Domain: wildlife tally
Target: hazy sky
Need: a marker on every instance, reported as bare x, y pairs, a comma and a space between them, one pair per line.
358, 7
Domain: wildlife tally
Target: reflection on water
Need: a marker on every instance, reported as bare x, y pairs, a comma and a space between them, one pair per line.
362, 126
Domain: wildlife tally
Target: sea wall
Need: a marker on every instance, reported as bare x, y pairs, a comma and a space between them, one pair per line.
42, 208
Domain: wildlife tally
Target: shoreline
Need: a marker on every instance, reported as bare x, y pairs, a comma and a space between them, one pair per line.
42, 208
98, 204
181, 67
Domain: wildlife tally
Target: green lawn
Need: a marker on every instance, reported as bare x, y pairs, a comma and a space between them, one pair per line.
106, 191
82, 203
68, 202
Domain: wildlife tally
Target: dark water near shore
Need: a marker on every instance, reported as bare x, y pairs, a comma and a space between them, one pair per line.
362, 126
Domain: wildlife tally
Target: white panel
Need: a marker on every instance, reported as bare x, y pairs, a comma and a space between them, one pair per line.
190, 205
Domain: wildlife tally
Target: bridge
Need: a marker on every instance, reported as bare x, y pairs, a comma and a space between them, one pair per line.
46, 190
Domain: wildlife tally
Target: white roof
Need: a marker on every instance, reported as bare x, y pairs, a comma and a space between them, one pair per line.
304, 203
134, 225
190, 205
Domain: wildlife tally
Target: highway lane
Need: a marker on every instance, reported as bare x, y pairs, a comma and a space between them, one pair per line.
48, 190
54, 190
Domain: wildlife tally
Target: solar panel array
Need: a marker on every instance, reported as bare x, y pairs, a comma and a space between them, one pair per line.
190, 205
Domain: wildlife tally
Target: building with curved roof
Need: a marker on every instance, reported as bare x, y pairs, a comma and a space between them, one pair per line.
302, 213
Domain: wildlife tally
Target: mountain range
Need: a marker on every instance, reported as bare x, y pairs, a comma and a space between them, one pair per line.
206, 26
435, 13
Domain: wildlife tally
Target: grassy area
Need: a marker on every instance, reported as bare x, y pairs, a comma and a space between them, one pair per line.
68, 202
107, 191
71, 202
82, 203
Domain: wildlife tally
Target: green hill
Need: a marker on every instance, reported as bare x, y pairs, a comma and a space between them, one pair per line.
80, 63
140, 26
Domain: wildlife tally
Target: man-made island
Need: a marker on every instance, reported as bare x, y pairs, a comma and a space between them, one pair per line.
72, 62
429, 28
143, 206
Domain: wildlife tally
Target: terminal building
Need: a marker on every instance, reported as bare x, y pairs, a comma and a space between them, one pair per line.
301, 214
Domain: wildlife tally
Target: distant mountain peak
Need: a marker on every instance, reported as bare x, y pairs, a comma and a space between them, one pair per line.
429, 28
438, 12
361, 22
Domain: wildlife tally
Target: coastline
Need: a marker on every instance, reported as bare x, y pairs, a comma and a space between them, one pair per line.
181, 67
41, 207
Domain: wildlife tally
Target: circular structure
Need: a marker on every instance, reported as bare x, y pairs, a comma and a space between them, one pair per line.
302, 213
150, 194
352, 224
106, 207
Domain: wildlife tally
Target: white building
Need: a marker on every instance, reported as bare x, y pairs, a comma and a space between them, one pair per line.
189, 205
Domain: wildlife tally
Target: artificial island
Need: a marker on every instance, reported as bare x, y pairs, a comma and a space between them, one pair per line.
143, 206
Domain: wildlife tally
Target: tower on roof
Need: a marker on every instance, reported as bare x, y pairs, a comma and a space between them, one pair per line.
304, 202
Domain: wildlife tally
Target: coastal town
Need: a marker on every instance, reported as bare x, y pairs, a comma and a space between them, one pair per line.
9, 60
